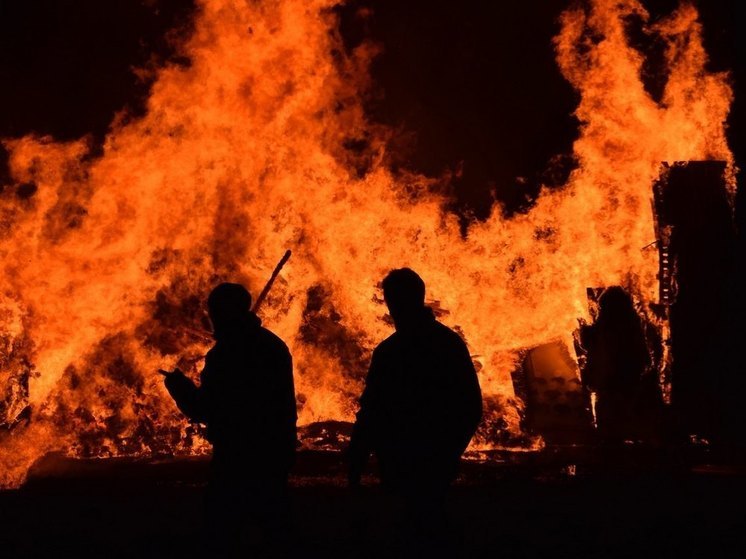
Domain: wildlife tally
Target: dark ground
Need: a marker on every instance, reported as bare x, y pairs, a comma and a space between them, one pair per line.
521, 505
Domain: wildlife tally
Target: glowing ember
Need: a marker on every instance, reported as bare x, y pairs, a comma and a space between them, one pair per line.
107, 260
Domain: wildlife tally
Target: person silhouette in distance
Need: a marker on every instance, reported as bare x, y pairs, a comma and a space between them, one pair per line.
617, 361
420, 407
246, 399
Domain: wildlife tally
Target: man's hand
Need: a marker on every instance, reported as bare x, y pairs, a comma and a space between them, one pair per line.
184, 392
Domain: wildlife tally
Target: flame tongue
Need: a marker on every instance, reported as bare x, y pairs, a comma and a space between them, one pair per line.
240, 156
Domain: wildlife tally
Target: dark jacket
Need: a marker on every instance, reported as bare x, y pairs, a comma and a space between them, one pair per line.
245, 397
617, 355
420, 407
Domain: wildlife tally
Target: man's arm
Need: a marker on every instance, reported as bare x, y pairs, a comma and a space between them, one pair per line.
361, 442
290, 409
188, 397
469, 395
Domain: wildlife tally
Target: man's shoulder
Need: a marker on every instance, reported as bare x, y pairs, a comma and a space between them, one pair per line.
447, 335
438, 332
386, 346
272, 340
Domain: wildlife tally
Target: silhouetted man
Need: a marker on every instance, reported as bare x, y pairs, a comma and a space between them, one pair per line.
617, 360
246, 399
421, 404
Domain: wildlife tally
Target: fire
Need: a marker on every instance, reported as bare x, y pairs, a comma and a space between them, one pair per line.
107, 258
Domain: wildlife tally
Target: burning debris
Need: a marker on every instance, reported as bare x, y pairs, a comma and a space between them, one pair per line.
14, 380
558, 406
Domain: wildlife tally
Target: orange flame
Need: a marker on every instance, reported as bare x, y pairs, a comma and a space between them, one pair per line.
240, 156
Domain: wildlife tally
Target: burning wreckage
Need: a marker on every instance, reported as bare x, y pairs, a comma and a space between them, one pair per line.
635, 361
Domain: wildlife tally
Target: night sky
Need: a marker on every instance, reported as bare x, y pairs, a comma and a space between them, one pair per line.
472, 86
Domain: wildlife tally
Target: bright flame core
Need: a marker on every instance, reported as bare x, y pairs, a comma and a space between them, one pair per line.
240, 156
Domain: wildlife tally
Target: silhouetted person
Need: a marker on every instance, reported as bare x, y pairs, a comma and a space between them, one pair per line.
421, 404
246, 399
618, 359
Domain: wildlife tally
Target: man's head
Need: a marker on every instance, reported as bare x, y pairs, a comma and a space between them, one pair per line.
616, 304
404, 293
228, 303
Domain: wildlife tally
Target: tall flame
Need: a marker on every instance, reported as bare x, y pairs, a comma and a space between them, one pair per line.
242, 154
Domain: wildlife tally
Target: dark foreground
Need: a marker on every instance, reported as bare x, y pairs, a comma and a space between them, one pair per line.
549, 504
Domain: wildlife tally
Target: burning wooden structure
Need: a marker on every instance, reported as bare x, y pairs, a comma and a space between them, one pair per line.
697, 237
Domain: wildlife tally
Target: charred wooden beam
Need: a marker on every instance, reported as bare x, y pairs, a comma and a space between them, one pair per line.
696, 240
